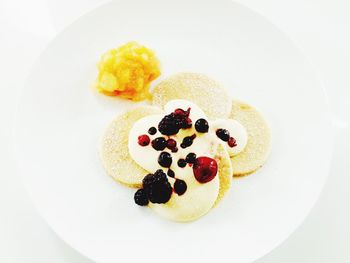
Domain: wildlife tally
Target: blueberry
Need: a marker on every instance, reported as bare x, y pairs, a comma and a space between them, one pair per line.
191, 158
159, 143
201, 125
180, 187
223, 134
152, 130
168, 125
181, 163
165, 159
171, 173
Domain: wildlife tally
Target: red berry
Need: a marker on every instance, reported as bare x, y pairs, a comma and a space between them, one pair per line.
179, 112
205, 169
232, 142
171, 144
143, 140
188, 122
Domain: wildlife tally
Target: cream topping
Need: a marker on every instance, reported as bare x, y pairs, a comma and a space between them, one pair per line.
199, 197
236, 130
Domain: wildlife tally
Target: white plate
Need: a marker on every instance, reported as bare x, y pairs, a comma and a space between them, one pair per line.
61, 119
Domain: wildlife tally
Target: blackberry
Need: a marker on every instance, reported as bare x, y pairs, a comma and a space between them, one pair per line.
173, 122
156, 189
159, 144
180, 187
201, 125
160, 193
191, 158
223, 134
159, 176
147, 181
152, 130
181, 163
168, 125
171, 173
141, 197
186, 123
165, 159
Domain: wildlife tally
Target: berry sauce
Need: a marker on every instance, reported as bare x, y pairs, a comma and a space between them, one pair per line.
205, 169
187, 141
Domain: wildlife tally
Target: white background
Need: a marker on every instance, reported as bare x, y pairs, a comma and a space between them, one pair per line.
320, 27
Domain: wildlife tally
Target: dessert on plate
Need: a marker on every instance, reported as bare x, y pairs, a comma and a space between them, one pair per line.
182, 151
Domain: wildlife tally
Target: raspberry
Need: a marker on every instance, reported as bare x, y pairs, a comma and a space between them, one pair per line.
143, 140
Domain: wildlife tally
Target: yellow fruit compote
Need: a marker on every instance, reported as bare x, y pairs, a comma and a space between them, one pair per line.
127, 71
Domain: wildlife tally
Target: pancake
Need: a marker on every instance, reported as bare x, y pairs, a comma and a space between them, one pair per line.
205, 92
114, 149
225, 172
257, 149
